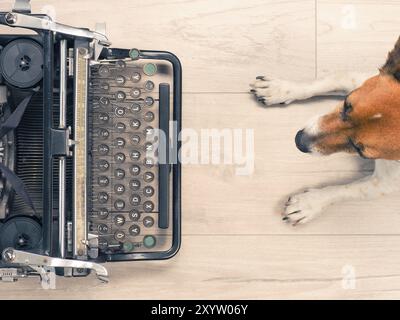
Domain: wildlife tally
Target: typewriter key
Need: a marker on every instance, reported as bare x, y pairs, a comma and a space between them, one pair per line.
104, 71
136, 77
148, 191
119, 111
119, 235
128, 246
135, 93
119, 205
119, 174
134, 184
148, 222
103, 228
120, 96
135, 124
134, 215
119, 142
135, 170
150, 69
148, 162
149, 241
134, 54
103, 244
103, 165
119, 188
103, 181
135, 140
105, 86
120, 64
120, 80
149, 85
104, 101
103, 133
135, 107
119, 158
135, 155
135, 199
149, 131
104, 117
149, 101
134, 230
148, 206
102, 197
148, 177
149, 147
119, 220
149, 116
120, 127
103, 149
102, 213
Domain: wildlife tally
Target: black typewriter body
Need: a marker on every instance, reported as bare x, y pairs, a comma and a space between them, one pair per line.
88, 149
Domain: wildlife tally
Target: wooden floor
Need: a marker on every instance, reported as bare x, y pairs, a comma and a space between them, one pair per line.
234, 242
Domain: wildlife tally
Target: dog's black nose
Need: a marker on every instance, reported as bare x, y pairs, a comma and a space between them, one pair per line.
302, 141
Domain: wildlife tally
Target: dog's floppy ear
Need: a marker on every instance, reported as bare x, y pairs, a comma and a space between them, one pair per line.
392, 65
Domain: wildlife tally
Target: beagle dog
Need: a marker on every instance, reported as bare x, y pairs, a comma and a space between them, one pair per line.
367, 124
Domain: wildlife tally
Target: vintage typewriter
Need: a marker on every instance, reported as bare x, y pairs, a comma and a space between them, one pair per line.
88, 151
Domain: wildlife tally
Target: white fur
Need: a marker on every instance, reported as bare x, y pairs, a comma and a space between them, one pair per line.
377, 116
274, 91
304, 207
312, 127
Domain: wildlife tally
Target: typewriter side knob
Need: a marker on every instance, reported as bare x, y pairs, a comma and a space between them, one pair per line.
21, 63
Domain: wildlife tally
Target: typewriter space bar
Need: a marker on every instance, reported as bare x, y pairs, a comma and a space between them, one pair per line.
163, 193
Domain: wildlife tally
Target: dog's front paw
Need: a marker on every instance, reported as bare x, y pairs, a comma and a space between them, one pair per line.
273, 91
304, 207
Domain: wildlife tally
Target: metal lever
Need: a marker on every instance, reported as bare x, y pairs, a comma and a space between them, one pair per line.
15, 19
22, 6
46, 265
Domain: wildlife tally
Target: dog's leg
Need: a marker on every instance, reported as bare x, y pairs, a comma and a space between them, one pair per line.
274, 91
304, 207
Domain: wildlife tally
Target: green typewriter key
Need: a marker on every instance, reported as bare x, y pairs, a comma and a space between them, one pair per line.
149, 242
128, 246
150, 69
134, 54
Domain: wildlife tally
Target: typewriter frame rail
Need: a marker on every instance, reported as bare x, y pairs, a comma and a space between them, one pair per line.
59, 144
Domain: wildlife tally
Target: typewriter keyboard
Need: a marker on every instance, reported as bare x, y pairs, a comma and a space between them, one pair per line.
125, 188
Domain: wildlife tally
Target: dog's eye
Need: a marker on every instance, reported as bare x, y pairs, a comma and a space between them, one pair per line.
347, 108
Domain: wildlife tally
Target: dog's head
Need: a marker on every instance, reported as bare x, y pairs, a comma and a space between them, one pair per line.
367, 123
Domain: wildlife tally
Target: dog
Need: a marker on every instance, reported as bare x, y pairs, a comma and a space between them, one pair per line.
366, 123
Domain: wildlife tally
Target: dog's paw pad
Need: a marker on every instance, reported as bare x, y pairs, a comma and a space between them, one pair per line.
302, 208
272, 92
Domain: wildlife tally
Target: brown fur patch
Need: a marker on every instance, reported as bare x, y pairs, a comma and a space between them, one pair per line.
361, 131
392, 65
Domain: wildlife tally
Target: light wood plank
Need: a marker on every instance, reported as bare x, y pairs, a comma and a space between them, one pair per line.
254, 267
217, 201
355, 35
223, 45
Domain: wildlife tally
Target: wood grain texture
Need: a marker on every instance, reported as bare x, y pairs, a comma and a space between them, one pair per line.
217, 201
355, 35
223, 45
234, 243
251, 267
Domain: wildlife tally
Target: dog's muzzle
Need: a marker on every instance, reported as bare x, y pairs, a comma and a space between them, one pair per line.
303, 141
